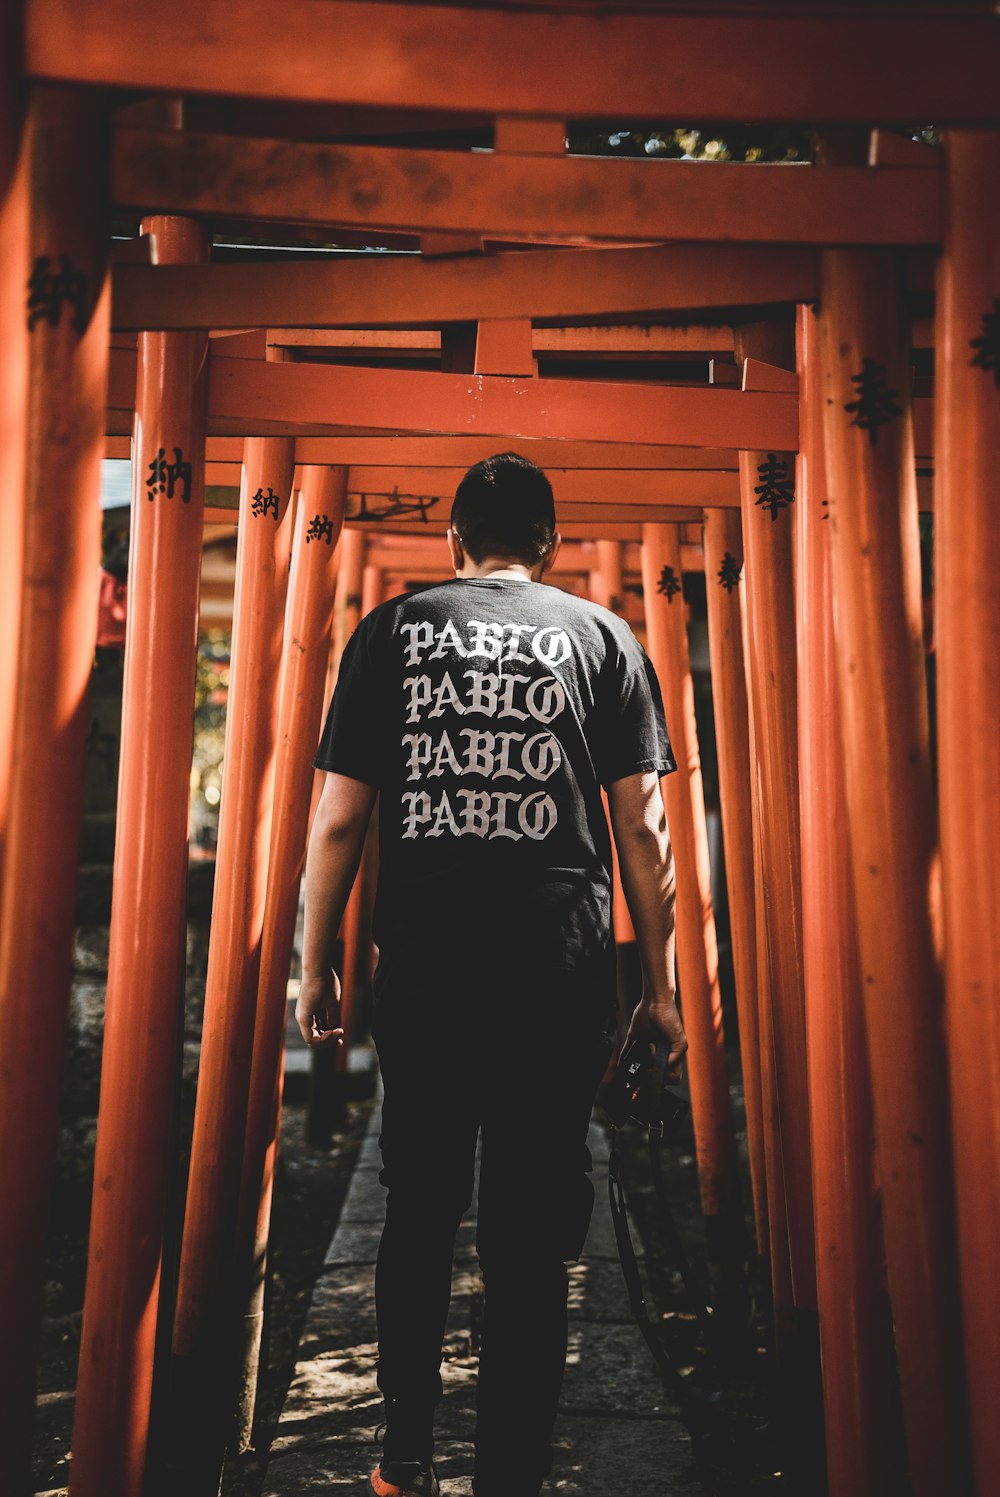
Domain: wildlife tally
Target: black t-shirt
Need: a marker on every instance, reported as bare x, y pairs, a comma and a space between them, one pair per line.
489, 712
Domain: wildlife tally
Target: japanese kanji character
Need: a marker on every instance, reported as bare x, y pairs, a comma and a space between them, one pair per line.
164, 476
776, 490
49, 289
876, 403
987, 355
263, 504
729, 572
669, 584
320, 528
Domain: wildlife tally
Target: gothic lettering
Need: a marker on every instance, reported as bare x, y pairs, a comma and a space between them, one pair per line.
551, 646
536, 815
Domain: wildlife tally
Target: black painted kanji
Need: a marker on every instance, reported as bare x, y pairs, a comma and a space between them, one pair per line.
320, 529
876, 403
50, 290
776, 491
729, 572
669, 584
987, 355
164, 477
264, 504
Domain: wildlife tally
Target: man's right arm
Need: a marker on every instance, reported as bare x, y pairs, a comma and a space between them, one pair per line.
639, 823
335, 846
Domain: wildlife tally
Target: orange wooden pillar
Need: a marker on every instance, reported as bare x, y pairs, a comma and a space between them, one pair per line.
354, 927
697, 955
967, 622
606, 578
880, 663
726, 604
606, 588
238, 906
14, 269
778, 1256
766, 494
346, 613
350, 593
148, 915
64, 310
308, 621
854, 1325
324, 1096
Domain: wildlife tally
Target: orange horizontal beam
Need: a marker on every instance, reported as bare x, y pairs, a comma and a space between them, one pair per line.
593, 342
432, 518
857, 68
251, 397
301, 182
415, 553
574, 485
459, 453
566, 511
635, 487
409, 291
592, 529
305, 395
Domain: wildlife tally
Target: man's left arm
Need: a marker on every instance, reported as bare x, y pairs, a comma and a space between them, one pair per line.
335, 847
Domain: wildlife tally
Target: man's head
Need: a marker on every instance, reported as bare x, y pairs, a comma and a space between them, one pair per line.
504, 510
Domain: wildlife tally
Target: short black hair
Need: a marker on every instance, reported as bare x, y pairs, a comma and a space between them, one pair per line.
504, 507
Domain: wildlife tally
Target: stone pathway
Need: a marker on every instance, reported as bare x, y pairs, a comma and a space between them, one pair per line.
616, 1431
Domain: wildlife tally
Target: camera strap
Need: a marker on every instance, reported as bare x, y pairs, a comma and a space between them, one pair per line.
681, 1387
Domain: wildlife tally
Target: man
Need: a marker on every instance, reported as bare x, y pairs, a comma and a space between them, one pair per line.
487, 712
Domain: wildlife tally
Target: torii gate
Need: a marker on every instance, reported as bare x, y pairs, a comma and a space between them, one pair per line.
856, 925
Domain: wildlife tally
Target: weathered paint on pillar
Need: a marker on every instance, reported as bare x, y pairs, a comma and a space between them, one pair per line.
308, 622
726, 606
14, 340
967, 625
767, 497
148, 913
854, 1322
63, 308
697, 955
240, 881
875, 565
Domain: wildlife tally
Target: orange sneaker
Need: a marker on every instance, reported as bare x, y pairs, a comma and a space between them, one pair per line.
403, 1479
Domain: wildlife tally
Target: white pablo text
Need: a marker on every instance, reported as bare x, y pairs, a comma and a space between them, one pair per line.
506, 752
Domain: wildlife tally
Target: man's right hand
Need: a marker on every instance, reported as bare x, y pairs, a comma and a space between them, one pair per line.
317, 1011
658, 1021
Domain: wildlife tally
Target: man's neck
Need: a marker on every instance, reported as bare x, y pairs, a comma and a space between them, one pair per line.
499, 567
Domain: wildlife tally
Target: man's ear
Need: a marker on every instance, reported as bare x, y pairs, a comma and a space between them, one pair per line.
548, 560
456, 549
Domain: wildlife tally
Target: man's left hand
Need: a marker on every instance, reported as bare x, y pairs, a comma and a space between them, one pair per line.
317, 1011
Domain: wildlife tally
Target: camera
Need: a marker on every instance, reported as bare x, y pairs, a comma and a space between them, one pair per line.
637, 1091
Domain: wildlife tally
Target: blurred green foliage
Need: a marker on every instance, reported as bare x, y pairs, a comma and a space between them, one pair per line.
708, 142
695, 142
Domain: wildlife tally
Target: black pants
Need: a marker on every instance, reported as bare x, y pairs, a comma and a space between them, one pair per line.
456, 1064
